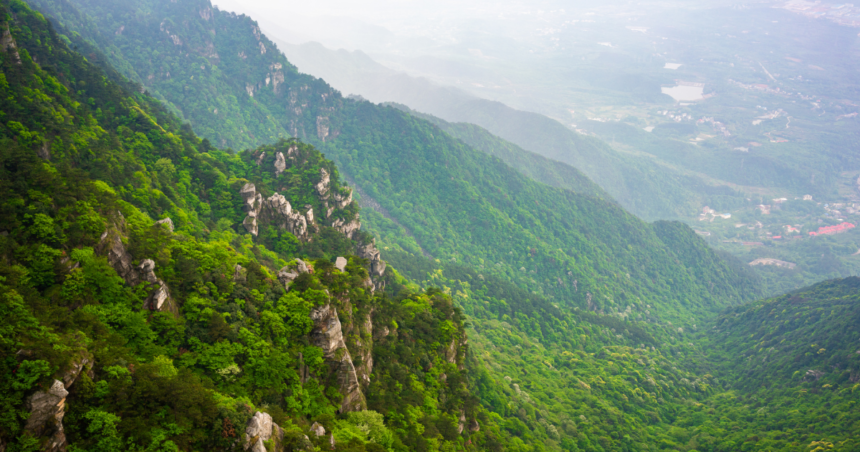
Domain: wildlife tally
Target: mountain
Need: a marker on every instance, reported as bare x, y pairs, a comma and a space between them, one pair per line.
159, 293
120, 332
535, 166
123, 332
436, 196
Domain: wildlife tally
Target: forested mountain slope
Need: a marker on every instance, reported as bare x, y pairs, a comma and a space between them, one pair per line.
120, 332
537, 167
160, 294
436, 196
793, 366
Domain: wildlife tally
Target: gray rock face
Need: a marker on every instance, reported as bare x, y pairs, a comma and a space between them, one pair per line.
275, 210
342, 201
327, 334
451, 351
239, 273
323, 186
377, 265
44, 151
159, 294
347, 229
340, 263
280, 163
252, 203
474, 426
47, 408
258, 431
118, 257
167, 222
289, 273
8, 45
317, 429
364, 350
121, 260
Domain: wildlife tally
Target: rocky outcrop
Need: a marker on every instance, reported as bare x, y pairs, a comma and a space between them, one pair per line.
159, 295
327, 334
8, 45
323, 186
252, 203
363, 347
166, 222
333, 200
280, 163
371, 253
317, 429
347, 228
289, 273
240, 275
275, 210
260, 429
474, 426
47, 408
323, 127
110, 244
44, 151
121, 260
340, 263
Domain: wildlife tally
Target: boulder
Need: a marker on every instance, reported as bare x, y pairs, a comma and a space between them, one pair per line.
159, 294
280, 163
47, 409
323, 186
239, 274
8, 45
288, 274
258, 431
147, 271
340, 263
474, 426
347, 228
167, 222
317, 429
369, 252
118, 257
342, 201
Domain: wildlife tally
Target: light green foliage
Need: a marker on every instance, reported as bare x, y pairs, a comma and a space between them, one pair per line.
102, 427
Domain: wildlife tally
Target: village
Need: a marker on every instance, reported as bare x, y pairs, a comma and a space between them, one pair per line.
780, 221
843, 14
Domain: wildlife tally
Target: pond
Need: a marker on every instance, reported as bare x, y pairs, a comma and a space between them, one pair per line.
684, 92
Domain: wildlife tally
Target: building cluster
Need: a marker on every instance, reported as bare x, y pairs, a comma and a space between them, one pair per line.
842, 14
835, 229
717, 125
